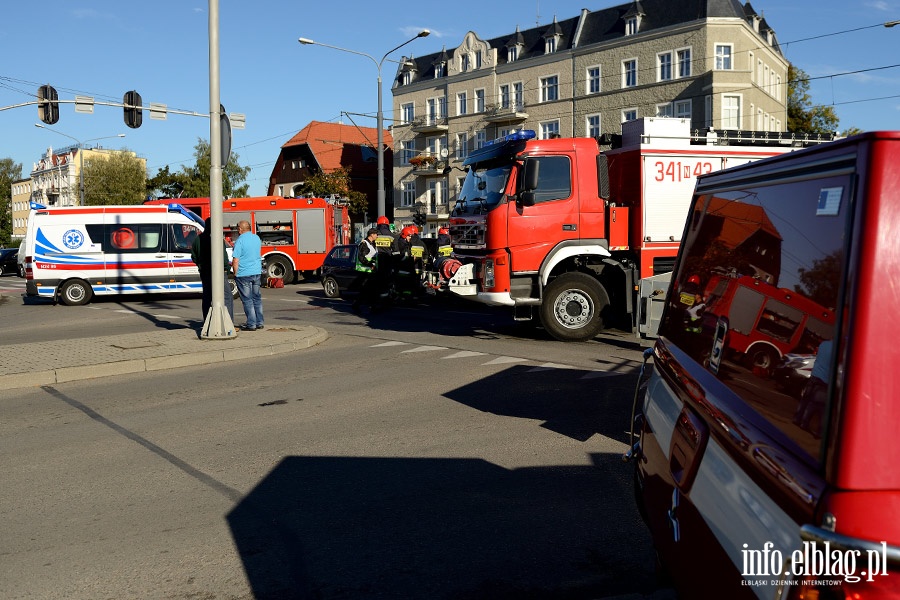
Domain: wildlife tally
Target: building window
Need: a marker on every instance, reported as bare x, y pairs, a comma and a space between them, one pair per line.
461, 103
664, 110
629, 114
631, 26
549, 88
409, 150
409, 194
518, 96
435, 145
629, 73
480, 139
778, 87
723, 57
751, 67
462, 145
593, 80
684, 62
479, 100
478, 59
406, 78
407, 113
440, 70
504, 96
731, 112
550, 45
549, 129
593, 126
464, 63
512, 53
664, 61
683, 109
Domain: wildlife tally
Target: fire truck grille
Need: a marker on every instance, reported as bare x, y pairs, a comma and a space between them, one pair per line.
467, 236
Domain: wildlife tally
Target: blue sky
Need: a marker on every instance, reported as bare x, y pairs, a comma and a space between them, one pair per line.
104, 48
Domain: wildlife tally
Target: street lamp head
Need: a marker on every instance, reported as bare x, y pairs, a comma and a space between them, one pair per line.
891, 23
305, 41
424, 33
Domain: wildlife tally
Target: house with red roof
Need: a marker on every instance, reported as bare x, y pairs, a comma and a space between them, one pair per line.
325, 147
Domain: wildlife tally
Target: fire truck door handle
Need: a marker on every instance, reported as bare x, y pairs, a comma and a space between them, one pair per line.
570, 227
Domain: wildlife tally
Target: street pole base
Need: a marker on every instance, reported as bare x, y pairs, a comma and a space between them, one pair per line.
218, 325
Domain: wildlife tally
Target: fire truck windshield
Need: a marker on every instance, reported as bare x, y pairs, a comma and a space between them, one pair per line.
482, 190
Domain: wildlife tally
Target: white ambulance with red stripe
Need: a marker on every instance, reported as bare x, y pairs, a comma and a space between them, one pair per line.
75, 253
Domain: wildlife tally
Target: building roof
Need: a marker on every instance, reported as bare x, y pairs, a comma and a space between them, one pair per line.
606, 25
328, 142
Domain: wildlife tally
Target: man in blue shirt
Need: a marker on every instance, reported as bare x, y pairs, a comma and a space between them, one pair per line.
246, 263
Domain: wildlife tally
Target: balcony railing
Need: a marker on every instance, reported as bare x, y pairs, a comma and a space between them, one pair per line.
506, 114
430, 125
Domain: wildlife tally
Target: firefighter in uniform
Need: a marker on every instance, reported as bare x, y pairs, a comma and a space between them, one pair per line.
367, 266
386, 244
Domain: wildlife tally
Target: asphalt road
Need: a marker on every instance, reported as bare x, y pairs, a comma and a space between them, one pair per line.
437, 452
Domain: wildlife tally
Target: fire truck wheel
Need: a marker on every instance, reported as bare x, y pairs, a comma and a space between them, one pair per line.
280, 268
331, 287
75, 292
573, 306
762, 357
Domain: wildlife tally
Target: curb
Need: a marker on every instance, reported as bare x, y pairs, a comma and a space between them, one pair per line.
157, 363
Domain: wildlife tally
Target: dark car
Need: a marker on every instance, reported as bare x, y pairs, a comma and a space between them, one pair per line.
9, 260
339, 274
792, 374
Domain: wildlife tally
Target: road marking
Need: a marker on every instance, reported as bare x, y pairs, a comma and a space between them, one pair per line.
549, 366
425, 349
382, 345
465, 353
502, 360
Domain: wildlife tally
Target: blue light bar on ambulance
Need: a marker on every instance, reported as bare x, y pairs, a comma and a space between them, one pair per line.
173, 207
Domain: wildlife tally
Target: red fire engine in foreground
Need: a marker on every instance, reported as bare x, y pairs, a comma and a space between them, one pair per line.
296, 233
560, 227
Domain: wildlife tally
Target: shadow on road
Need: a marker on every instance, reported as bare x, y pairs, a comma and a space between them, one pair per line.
360, 527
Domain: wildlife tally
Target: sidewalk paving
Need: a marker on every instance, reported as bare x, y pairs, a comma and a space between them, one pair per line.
59, 361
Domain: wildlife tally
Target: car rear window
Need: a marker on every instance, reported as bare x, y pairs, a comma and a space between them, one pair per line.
760, 278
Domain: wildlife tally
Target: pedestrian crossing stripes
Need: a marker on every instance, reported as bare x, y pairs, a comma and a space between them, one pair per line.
497, 360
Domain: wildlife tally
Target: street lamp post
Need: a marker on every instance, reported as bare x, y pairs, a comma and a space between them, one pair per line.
80, 153
380, 114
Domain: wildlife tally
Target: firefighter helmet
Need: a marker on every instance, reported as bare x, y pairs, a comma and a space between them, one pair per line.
443, 231
382, 220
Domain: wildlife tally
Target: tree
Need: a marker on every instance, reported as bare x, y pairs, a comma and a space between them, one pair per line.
113, 178
803, 116
9, 171
193, 182
337, 182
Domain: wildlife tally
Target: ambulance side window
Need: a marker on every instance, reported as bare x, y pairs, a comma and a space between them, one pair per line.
122, 238
182, 237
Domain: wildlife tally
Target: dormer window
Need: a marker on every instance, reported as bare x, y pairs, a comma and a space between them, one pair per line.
631, 25
512, 53
406, 78
464, 63
440, 70
478, 59
550, 45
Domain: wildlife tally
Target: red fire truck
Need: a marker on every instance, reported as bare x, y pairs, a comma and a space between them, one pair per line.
566, 229
765, 322
296, 233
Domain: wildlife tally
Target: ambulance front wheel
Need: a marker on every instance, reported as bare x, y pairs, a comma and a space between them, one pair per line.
75, 292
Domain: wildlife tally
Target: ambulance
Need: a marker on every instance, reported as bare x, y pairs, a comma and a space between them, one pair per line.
75, 253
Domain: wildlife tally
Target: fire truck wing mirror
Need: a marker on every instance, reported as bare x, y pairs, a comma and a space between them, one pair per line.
530, 177
602, 176
525, 199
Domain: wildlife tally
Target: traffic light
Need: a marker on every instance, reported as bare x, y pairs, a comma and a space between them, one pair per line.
134, 114
419, 219
48, 105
